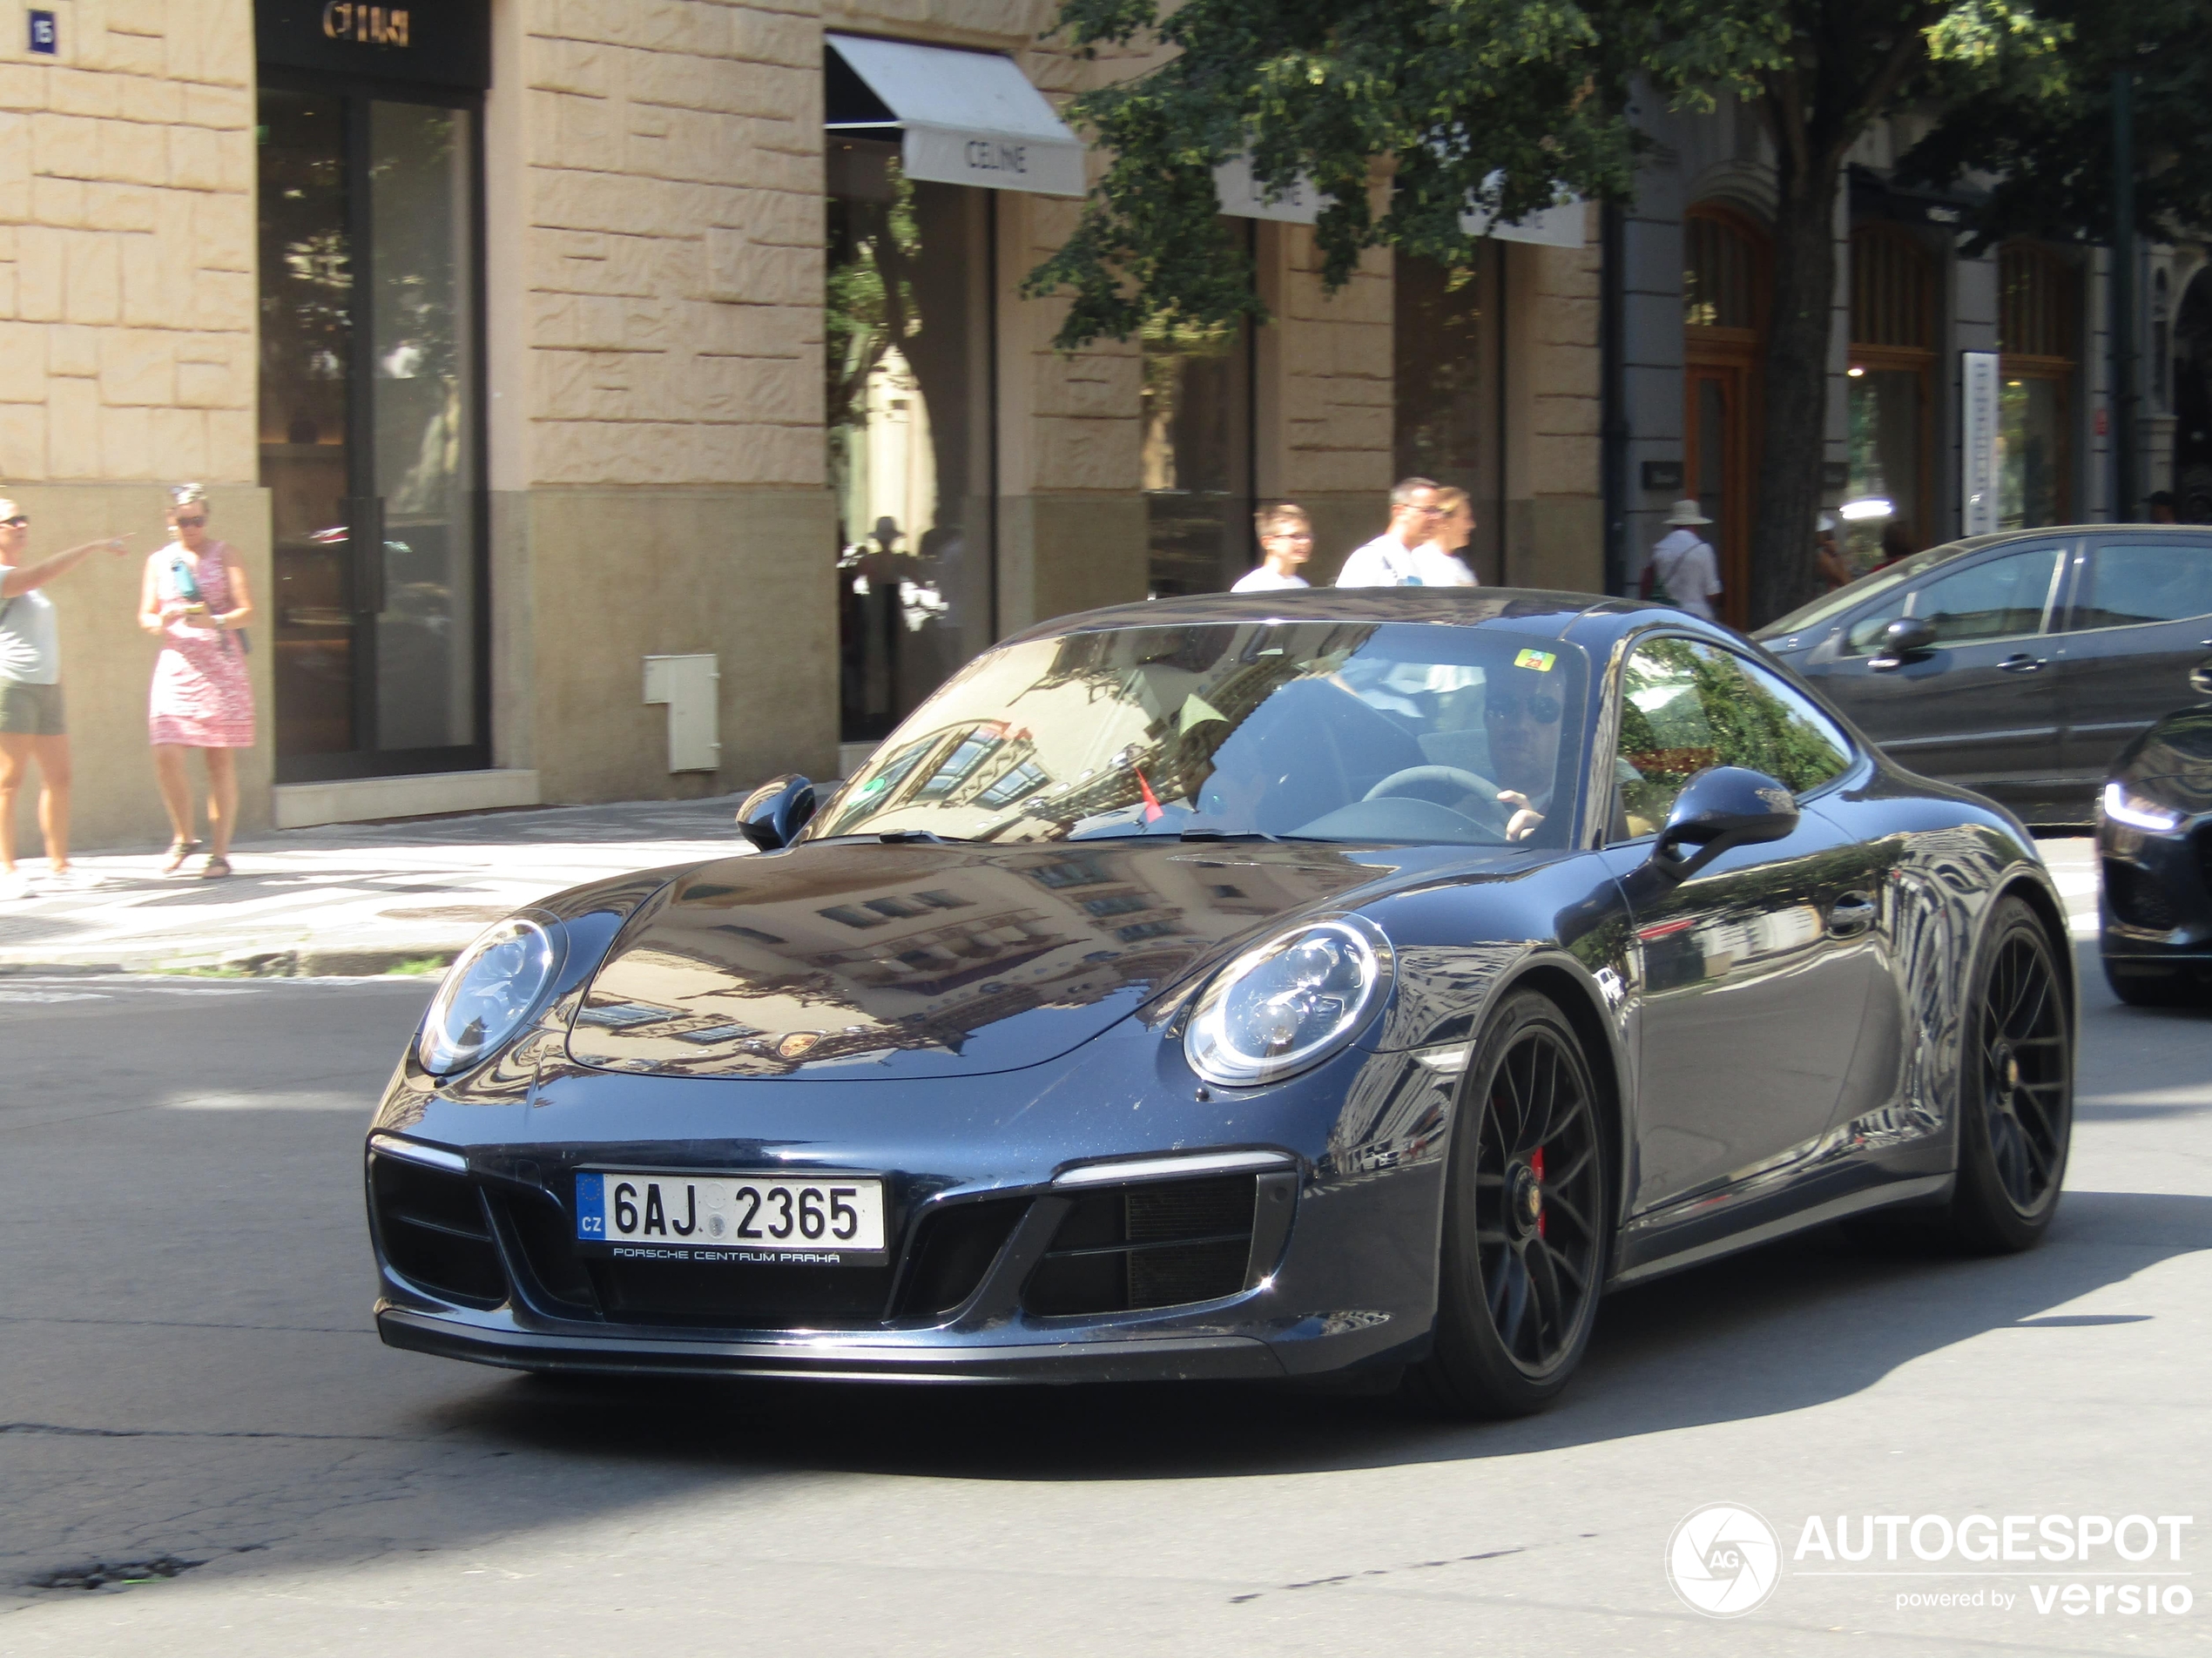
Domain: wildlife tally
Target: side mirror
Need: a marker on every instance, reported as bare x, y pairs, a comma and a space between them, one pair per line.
776, 811
1725, 807
1902, 641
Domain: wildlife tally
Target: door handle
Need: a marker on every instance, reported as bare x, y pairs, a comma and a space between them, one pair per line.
2024, 664
1851, 915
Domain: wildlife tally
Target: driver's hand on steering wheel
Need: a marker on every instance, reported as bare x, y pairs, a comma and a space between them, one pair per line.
1525, 819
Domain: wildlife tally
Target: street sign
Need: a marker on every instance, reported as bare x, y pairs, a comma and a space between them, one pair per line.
1978, 416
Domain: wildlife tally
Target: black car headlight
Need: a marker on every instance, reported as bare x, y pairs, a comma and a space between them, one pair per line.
2123, 805
1289, 1004
487, 993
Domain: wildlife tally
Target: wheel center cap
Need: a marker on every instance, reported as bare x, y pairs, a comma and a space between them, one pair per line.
1525, 1201
2008, 1067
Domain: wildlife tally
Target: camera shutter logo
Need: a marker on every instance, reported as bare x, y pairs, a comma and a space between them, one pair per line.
1723, 1561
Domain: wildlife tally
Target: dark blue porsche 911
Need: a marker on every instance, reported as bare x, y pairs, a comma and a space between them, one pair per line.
1296, 985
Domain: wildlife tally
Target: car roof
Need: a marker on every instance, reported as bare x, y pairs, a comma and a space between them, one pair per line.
1540, 611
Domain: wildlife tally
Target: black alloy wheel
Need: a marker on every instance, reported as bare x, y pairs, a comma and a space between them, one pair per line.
2015, 1089
1526, 1219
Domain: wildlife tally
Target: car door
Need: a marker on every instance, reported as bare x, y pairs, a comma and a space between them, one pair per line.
1752, 991
1981, 708
2141, 623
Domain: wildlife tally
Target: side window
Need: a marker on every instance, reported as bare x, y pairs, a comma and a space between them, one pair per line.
2130, 584
1989, 601
1687, 706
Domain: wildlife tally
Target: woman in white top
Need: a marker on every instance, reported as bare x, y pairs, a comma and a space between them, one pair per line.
32, 730
1441, 560
1285, 541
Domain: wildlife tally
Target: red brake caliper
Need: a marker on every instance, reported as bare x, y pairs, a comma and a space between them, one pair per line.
1536, 1168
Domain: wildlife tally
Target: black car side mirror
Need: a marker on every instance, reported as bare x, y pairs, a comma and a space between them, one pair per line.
1905, 640
1725, 807
776, 811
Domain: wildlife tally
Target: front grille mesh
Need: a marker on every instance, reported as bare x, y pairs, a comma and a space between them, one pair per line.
1159, 1245
2139, 898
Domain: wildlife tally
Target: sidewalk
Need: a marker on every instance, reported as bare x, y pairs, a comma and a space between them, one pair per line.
349, 898
371, 898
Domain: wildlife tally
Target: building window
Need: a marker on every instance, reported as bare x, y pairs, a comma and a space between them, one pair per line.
1894, 306
1197, 456
1445, 324
2162, 344
907, 322
2038, 320
1724, 264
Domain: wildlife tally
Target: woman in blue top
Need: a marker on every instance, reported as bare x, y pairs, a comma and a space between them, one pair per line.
32, 729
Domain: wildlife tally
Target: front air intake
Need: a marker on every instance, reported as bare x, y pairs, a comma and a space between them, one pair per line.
2139, 898
434, 1231
1157, 1246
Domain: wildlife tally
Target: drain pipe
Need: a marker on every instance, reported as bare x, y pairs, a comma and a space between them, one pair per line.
1612, 406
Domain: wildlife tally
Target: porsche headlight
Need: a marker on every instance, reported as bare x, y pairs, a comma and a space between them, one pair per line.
486, 995
1289, 1004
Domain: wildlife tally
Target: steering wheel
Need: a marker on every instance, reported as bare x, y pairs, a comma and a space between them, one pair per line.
1482, 805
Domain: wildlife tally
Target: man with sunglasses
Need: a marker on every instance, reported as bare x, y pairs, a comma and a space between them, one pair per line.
1389, 560
32, 730
1520, 715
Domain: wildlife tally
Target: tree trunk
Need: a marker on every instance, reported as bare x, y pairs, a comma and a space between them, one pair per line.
1795, 381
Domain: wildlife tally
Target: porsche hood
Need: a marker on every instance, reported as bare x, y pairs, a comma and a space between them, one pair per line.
855, 959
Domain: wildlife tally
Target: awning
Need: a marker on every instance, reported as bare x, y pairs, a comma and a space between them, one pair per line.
1241, 196
962, 117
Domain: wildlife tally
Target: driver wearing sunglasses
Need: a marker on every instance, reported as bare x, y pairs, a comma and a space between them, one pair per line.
1521, 715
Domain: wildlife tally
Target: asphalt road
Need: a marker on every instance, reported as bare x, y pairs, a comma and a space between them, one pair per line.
187, 1373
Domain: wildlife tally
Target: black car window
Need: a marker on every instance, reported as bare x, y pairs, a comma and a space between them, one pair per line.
1997, 598
2132, 583
1687, 706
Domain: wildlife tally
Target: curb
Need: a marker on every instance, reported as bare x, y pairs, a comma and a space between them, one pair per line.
256, 964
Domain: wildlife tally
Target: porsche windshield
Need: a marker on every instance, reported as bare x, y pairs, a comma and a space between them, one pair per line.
1324, 730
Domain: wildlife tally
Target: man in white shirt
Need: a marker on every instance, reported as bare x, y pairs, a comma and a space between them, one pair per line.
1389, 561
1684, 572
1286, 543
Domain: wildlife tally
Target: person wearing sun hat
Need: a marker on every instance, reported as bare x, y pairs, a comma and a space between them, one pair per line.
1683, 571
32, 730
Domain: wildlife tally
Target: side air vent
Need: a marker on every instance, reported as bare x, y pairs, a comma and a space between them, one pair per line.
1155, 1245
953, 1251
434, 1231
2139, 898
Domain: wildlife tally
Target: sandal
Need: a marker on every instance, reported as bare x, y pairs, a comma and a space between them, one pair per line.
216, 867
179, 850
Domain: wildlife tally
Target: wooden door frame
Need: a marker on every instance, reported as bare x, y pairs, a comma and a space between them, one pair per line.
1737, 355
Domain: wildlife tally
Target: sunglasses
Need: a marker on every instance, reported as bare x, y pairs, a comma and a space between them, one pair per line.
17, 523
1504, 704
191, 523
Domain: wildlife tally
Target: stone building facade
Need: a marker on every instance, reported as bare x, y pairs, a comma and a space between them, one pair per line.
506, 337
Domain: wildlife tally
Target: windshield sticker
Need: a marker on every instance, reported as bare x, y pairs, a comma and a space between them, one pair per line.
1540, 660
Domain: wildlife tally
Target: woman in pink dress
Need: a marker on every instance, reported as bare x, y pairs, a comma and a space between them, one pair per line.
194, 597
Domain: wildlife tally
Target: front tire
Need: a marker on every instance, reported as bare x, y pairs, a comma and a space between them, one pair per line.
2015, 1089
1525, 1220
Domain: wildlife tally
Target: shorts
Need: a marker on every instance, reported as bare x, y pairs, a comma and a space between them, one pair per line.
29, 711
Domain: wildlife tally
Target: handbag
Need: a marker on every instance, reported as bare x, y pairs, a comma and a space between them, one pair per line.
188, 590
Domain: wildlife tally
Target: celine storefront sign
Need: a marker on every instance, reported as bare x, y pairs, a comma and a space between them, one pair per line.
436, 42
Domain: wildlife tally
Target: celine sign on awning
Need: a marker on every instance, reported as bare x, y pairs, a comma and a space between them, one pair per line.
960, 117
1242, 196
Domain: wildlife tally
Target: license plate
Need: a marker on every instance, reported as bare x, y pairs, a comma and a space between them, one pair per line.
689, 1216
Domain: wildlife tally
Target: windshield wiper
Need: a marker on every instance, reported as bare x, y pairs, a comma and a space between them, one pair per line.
895, 837
1228, 834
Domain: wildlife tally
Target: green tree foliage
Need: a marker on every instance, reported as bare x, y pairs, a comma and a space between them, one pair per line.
2044, 127
1403, 113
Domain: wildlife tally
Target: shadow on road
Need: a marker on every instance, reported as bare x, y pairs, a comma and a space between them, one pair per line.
1795, 1325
